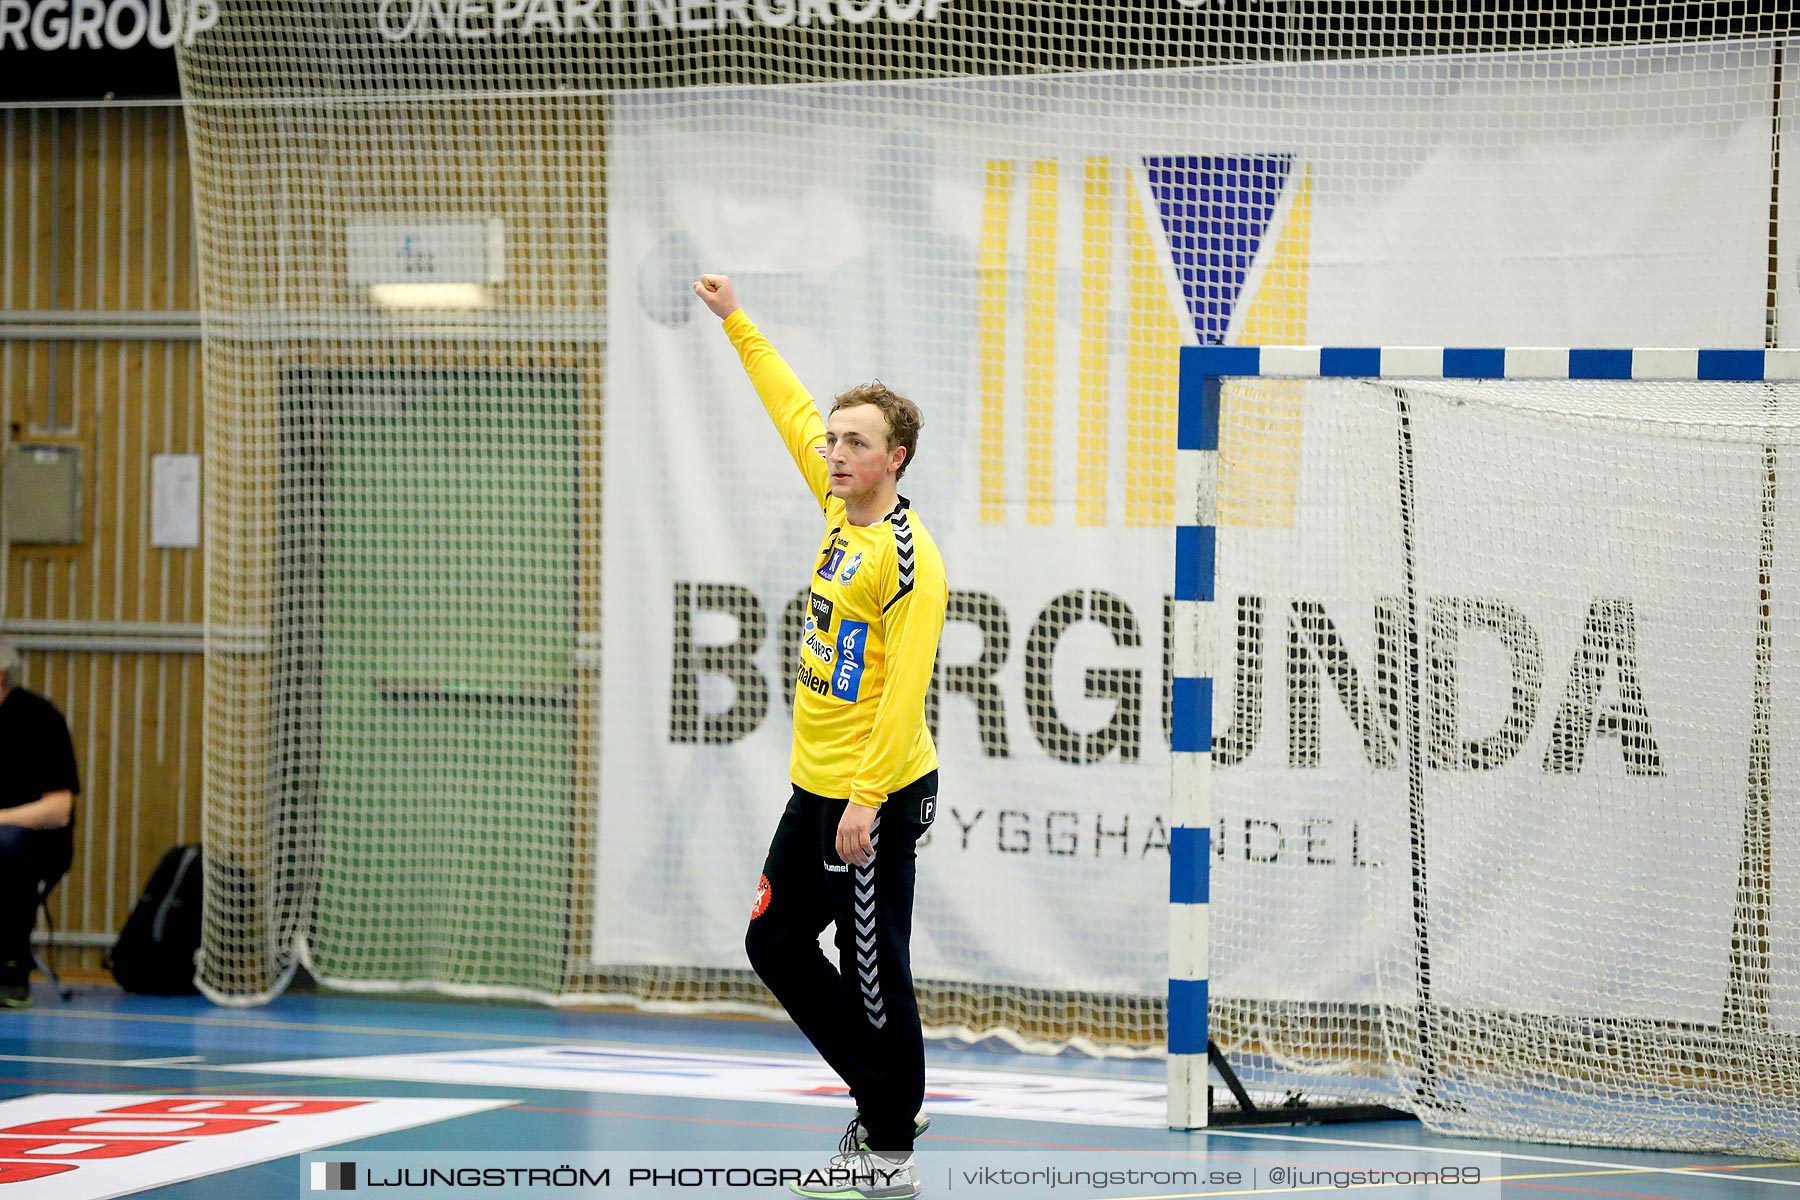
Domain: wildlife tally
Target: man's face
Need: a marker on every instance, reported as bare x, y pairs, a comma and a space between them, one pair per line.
857, 453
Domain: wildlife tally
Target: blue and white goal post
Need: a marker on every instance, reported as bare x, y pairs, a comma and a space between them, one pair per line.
1203, 372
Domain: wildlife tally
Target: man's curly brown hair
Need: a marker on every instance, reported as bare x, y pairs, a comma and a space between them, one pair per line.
903, 417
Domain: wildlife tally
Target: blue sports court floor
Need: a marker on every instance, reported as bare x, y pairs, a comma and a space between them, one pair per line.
403, 1085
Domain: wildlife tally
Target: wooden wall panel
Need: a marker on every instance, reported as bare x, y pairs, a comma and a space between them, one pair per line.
101, 352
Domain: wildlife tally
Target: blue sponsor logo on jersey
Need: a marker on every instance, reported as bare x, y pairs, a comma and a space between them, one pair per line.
830, 565
850, 568
852, 644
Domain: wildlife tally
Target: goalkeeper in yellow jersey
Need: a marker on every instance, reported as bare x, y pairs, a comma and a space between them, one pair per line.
864, 768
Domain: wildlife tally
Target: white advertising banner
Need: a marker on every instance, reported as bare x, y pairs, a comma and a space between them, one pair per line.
1023, 257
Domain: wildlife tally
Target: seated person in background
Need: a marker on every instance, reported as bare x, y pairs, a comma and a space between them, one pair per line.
38, 782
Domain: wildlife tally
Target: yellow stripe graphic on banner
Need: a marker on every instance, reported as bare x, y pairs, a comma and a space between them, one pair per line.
1100, 187
1040, 343
1259, 440
1259, 431
1152, 363
991, 307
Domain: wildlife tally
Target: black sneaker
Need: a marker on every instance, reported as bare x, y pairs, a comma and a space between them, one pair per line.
15, 995
862, 1175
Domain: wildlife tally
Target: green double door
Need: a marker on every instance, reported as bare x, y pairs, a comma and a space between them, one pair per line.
446, 581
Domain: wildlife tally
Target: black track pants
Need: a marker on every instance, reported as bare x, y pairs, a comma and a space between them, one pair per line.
860, 1015
27, 856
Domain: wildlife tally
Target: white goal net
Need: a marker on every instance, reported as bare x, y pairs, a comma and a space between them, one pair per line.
1505, 826
502, 558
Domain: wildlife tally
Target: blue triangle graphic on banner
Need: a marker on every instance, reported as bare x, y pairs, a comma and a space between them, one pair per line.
1216, 211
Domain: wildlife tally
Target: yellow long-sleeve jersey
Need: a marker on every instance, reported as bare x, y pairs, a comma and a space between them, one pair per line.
875, 614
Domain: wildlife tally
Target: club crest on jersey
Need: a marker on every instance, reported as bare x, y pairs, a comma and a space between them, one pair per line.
829, 567
850, 568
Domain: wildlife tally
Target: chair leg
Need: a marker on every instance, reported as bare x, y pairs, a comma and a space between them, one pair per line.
43, 960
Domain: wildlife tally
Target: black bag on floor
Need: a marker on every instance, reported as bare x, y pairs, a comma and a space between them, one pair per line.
155, 951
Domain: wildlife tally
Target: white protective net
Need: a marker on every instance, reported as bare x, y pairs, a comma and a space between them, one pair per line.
501, 595
1539, 880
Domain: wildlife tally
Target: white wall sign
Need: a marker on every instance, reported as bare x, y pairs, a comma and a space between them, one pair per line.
175, 500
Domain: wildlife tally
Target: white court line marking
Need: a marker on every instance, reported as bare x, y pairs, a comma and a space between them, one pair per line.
806, 1056
169, 1064
227, 1023
1133, 1103
1692, 1172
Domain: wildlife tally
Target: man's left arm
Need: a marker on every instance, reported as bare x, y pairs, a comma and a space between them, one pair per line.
52, 810
911, 625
